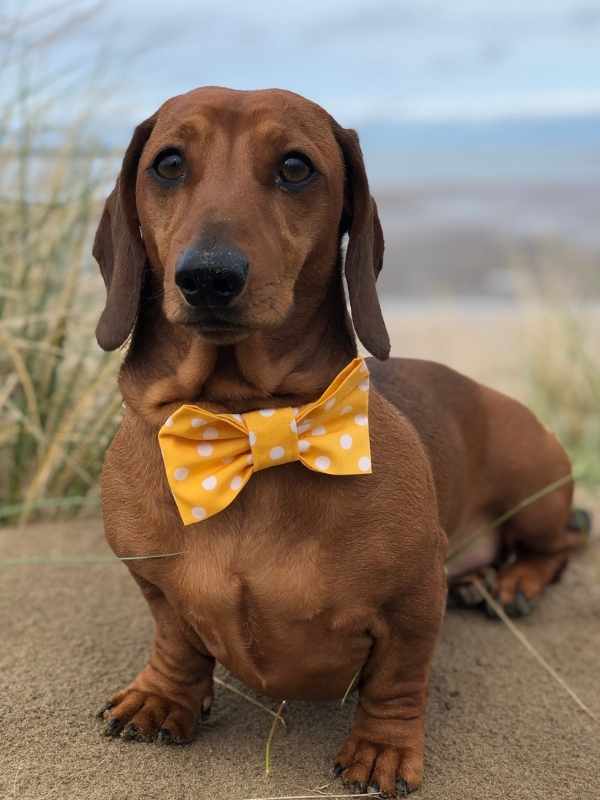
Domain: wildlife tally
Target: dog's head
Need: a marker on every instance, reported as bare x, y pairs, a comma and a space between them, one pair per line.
234, 203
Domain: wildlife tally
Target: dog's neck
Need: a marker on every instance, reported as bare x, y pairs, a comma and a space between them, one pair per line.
168, 364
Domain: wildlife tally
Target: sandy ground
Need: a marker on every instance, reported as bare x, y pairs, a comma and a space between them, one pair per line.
498, 726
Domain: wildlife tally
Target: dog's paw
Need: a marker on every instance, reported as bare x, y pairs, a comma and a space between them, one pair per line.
145, 717
514, 588
367, 767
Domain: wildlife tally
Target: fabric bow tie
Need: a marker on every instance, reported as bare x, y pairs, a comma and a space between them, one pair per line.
210, 457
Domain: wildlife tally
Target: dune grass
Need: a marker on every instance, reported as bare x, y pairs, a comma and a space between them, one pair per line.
564, 384
58, 399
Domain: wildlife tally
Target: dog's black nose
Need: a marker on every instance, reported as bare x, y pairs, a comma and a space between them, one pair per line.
212, 276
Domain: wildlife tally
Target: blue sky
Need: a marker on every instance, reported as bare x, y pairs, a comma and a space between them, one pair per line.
366, 61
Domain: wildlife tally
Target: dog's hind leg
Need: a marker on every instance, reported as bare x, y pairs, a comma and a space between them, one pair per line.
542, 537
536, 548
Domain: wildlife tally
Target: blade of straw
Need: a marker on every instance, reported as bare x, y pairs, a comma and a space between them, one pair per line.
351, 686
511, 513
269, 744
313, 796
52, 561
530, 648
250, 700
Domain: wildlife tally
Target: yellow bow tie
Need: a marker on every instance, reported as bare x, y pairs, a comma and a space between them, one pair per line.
210, 457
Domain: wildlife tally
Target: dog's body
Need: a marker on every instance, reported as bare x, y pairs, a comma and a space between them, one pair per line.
304, 580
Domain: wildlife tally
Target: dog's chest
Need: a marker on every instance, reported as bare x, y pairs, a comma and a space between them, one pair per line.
265, 596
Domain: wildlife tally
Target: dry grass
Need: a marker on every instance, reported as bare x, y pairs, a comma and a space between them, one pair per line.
564, 380
58, 400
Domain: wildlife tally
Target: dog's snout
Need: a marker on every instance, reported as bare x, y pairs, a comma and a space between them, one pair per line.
212, 276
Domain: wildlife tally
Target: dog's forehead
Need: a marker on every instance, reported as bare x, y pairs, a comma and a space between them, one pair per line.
267, 112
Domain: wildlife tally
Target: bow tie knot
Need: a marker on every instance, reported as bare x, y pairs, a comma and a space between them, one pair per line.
209, 457
273, 436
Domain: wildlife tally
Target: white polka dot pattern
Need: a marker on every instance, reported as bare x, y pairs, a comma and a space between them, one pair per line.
209, 483
364, 464
210, 457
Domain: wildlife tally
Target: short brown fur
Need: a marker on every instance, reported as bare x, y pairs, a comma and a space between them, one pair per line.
305, 579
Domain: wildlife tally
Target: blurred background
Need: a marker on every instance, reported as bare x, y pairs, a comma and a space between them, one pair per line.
480, 123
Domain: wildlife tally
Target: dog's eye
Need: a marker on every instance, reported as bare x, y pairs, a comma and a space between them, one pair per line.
295, 169
169, 165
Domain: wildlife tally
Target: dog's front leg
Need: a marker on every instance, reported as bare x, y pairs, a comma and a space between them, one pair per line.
385, 748
172, 692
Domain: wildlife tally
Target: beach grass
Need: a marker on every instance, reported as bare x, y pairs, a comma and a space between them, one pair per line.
58, 399
563, 379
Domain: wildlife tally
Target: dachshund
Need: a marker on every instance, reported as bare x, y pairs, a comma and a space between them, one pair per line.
221, 251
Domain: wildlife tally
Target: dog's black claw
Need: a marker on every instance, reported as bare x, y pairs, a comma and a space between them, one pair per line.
113, 727
402, 788
520, 606
131, 733
101, 711
337, 770
580, 520
164, 736
205, 713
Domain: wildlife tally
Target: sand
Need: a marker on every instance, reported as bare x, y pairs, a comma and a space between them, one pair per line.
498, 726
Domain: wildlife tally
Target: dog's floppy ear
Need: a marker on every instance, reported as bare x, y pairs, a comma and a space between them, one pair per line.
364, 255
119, 250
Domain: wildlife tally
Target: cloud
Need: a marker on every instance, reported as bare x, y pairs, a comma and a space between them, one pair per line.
584, 19
468, 108
375, 18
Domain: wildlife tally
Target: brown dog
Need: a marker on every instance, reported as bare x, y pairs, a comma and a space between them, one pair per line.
220, 250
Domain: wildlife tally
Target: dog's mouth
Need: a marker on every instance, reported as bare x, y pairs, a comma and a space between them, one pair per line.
217, 328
